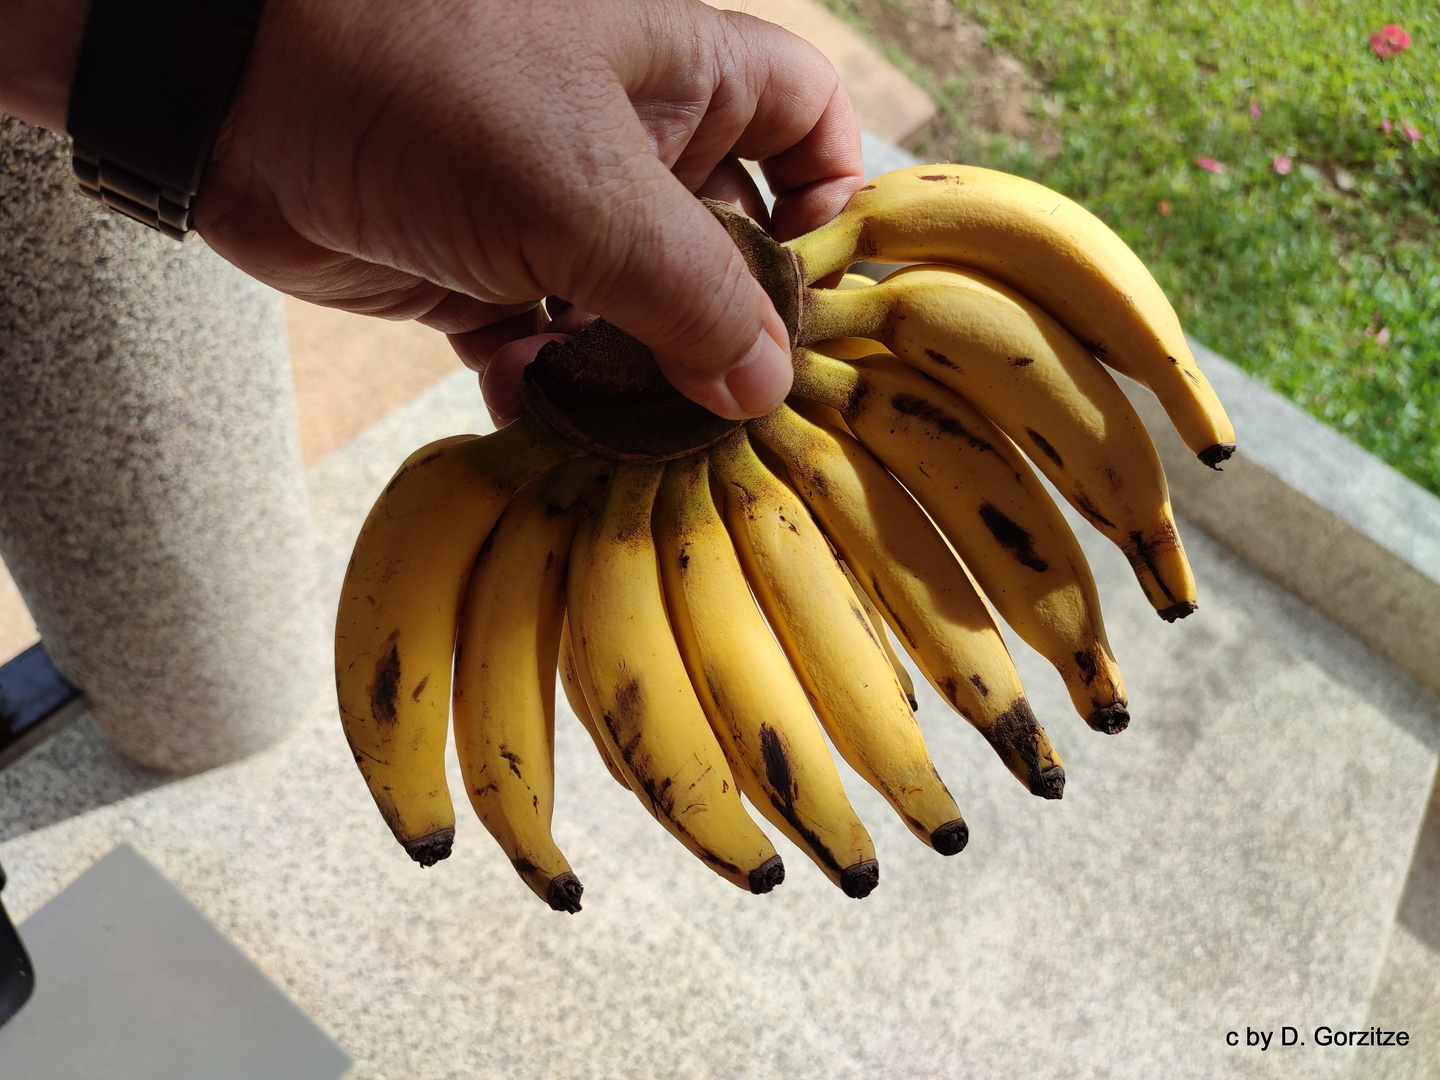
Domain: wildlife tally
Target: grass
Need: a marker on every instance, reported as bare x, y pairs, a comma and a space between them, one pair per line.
1324, 282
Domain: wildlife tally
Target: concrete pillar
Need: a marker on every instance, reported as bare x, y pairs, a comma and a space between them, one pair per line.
152, 500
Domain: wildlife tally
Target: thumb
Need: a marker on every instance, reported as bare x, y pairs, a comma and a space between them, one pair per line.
666, 272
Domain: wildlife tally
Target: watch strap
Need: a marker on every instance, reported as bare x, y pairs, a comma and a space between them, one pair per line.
151, 87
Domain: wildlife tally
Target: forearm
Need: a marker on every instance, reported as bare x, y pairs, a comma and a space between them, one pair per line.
39, 43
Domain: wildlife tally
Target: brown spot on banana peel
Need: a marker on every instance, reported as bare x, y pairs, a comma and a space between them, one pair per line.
941, 359
979, 685
660, 793
514, 760
1009, 535
420, 686
1017, 737
428, 850
1141, 553
1020, 361
394, 480
1086, 507
783, 791
385, 690
1045, 447
564, 892
929, 413
1086, 663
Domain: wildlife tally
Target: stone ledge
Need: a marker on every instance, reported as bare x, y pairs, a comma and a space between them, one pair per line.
1329, 521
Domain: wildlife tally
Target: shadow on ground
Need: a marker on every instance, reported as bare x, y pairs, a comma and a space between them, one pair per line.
70, 773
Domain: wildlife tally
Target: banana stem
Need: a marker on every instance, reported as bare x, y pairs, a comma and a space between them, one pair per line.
831, 247
824, 379
834, 313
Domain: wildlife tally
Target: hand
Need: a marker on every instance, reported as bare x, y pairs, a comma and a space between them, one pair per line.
454, 161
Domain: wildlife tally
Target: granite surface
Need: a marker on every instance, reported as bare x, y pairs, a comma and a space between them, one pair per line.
1236, 859
152, 499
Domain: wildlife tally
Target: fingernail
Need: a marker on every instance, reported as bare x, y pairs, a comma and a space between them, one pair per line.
760, 381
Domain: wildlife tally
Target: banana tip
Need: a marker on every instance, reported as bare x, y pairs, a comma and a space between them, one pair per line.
1111, 720
859, 881
1050, 783
951, 838
428, 850
1178, 611
767, 875
1214, 455
564, 893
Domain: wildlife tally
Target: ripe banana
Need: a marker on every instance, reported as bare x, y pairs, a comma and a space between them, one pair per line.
504, 697
992, 508
911, 575
827, 636
745, 685
395, 630
1003, 354
882, 635
575, 694
638, 689
515, 560
1049, 248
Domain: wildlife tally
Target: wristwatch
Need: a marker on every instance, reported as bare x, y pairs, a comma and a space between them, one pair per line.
151, 87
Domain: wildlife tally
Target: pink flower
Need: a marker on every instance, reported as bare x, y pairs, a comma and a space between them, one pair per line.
1254, 109
1386, 126
1210, 165
1382, 335
1281, 164
1389, 41
1410, 133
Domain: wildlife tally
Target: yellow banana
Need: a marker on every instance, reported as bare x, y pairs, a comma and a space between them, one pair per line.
827, 636
575, 694
992, 508
1022, 369
882, 634
756, 708
1049, 248
910, 574
504, 698
639, 691
395, 630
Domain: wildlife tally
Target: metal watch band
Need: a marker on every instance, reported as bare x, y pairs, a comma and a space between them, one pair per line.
151, 87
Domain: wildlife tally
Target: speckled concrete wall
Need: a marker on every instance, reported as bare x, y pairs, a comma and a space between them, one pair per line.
152, 502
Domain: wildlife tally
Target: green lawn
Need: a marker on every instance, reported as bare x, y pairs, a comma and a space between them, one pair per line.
1324, 282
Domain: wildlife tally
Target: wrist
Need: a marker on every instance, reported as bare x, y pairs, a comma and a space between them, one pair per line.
39, 44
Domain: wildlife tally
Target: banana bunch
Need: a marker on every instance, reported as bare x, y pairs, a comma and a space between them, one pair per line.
719, 596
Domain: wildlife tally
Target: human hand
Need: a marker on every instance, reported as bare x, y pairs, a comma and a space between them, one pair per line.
458, 164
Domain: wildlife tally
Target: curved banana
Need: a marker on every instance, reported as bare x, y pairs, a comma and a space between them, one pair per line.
1049, 248
575, 694
395, 630
911, 575
755, 706
992, 508
827, 636
1025, 371
504, 696
637, 687
882, 635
